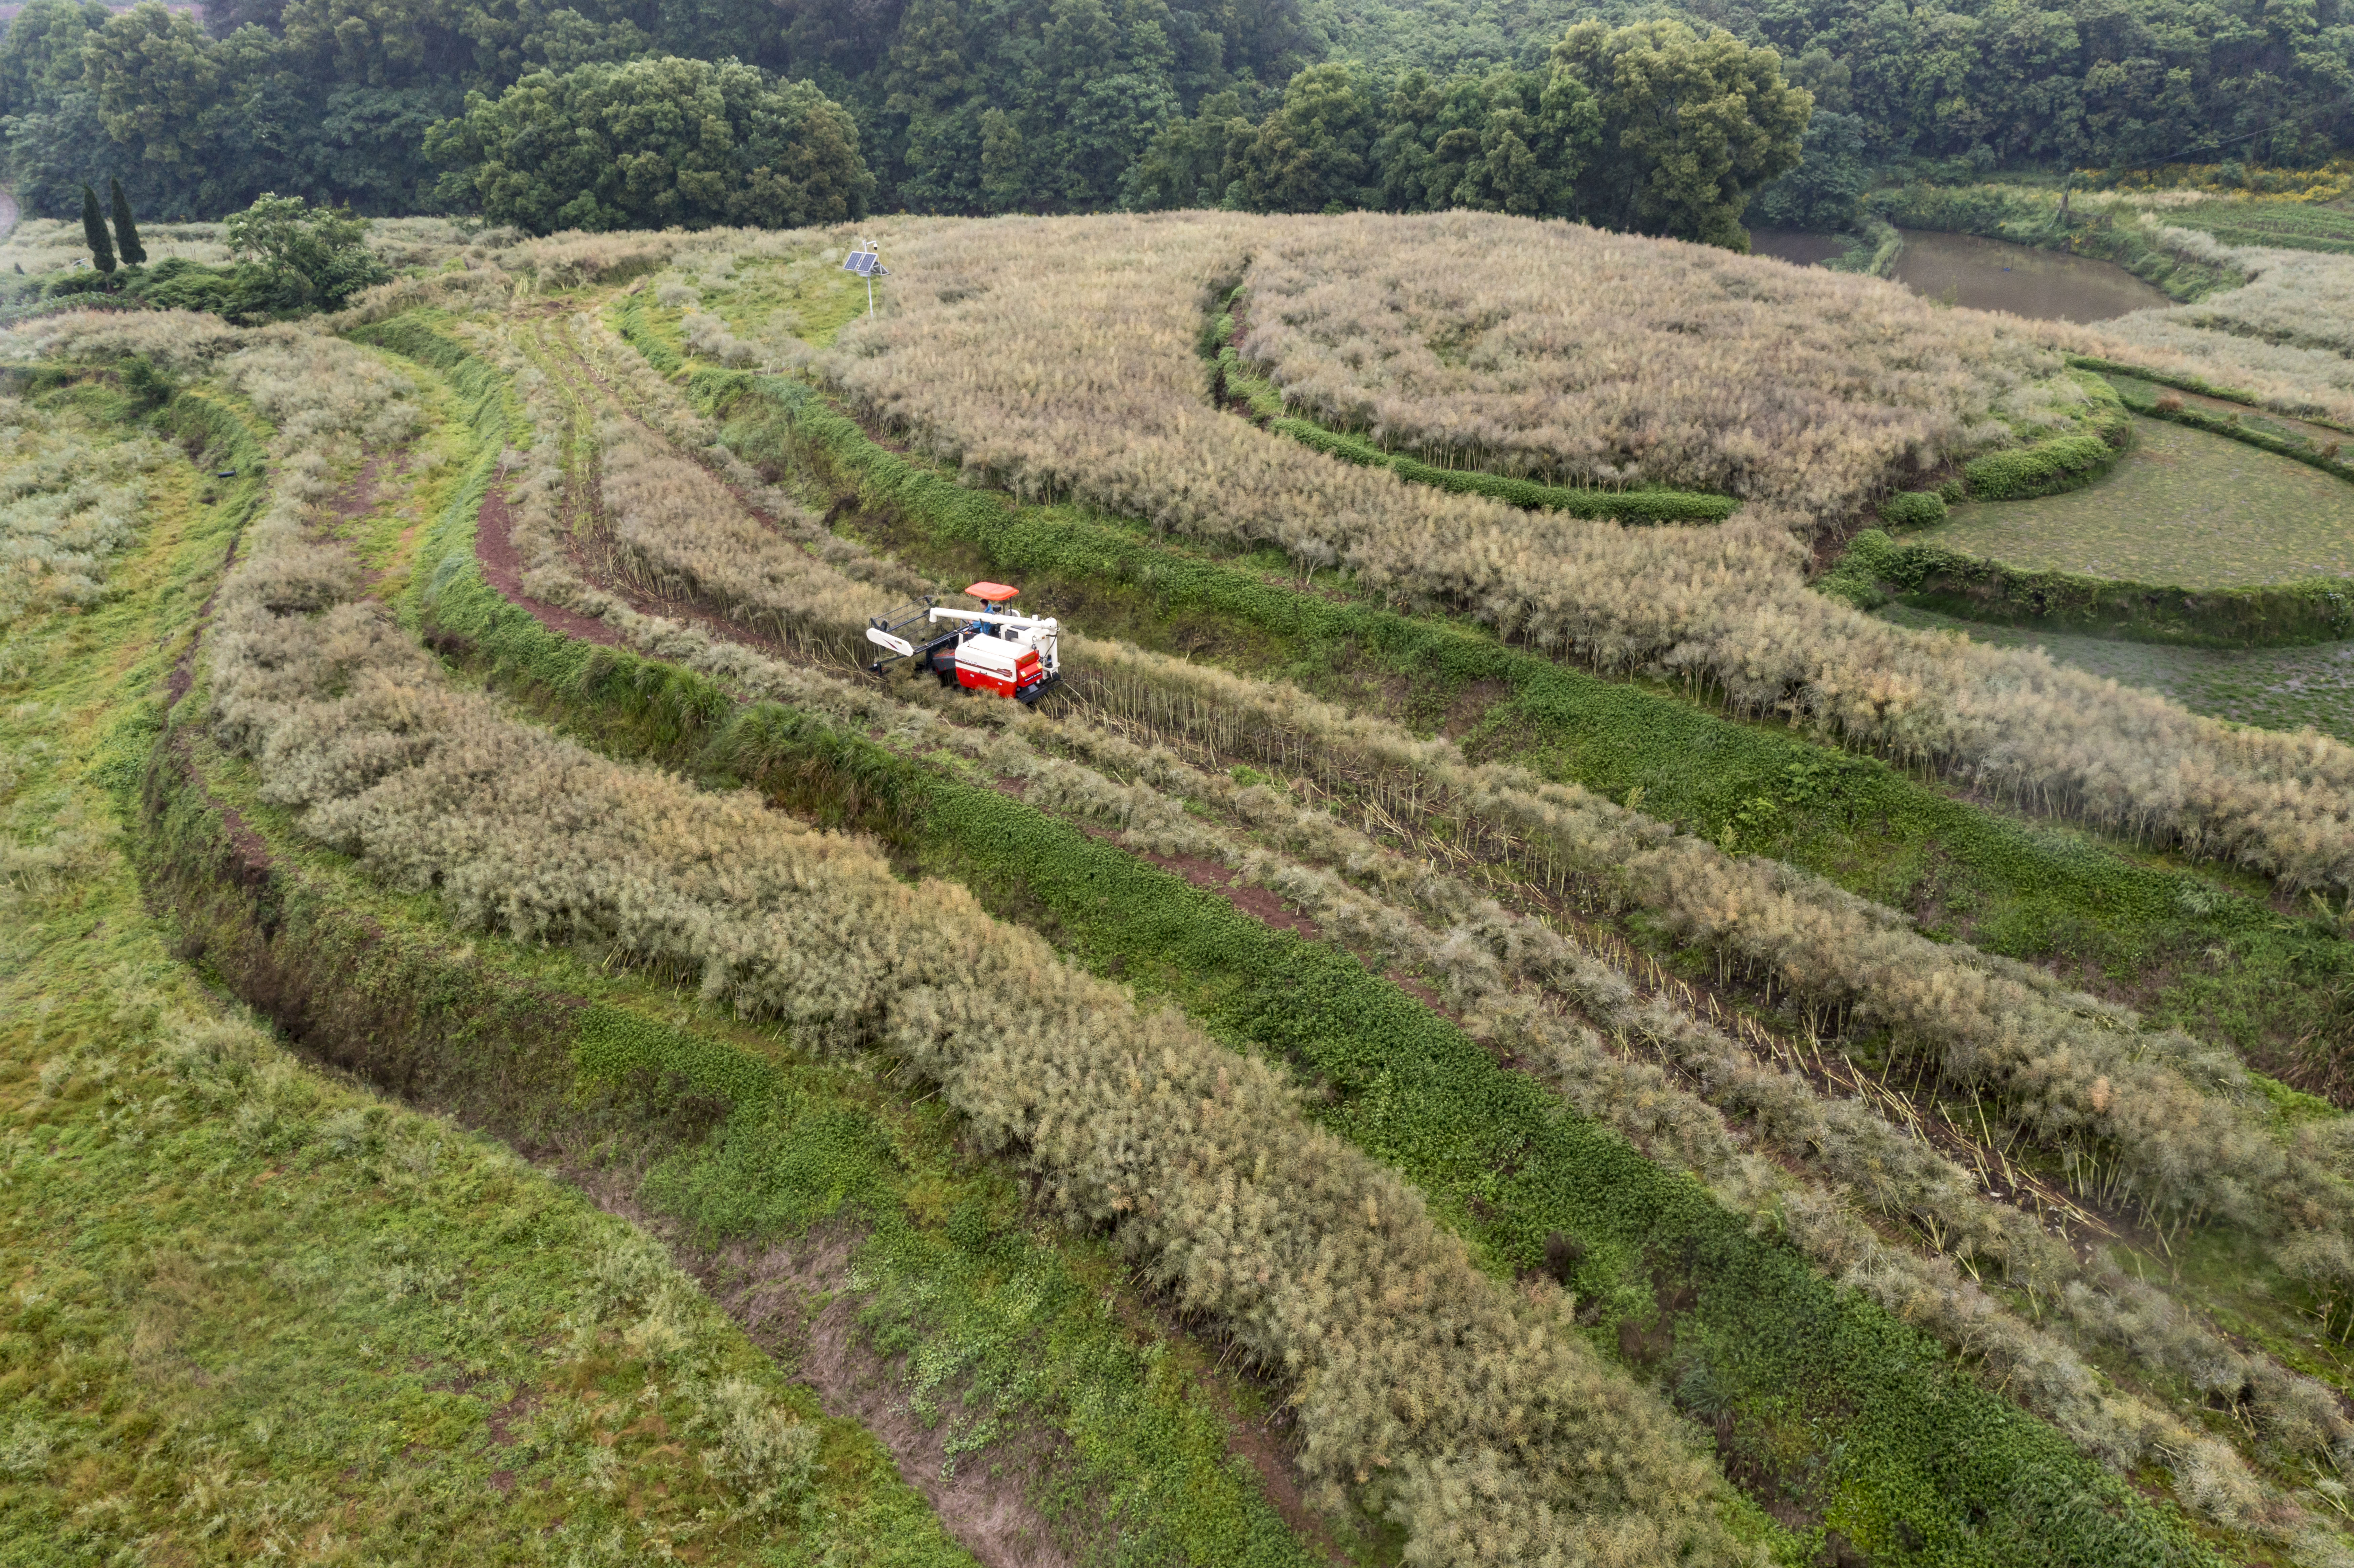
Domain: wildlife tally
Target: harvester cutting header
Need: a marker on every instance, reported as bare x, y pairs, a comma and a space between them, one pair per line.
986, 649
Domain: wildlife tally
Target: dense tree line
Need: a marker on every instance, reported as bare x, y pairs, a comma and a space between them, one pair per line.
1057, 105
334, 99
1653, 128
2132, 82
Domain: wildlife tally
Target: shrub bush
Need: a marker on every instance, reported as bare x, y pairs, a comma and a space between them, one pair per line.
1914, 509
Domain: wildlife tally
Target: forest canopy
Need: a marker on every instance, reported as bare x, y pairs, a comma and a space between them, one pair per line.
652, 144
969, 106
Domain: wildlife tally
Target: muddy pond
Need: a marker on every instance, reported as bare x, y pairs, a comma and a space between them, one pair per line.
1988, 274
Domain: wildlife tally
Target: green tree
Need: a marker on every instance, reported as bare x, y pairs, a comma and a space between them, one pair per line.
1313, 155
1191, 162
930, 139
1508, 141
1692, 127
93, 230
651, 143
1825, 192
126, 233
1003, 176
155, 77
310, 255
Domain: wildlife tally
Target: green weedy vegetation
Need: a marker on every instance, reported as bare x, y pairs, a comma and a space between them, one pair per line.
2056, 463
254, 1311
2280, 994
1739, 1325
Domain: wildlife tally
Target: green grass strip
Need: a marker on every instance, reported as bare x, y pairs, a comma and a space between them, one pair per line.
2058, 462
1906, 1451
2303, 451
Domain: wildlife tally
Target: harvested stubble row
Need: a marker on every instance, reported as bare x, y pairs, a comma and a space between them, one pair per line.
676, 530
1902, 1177
1479, 1416
1039, 336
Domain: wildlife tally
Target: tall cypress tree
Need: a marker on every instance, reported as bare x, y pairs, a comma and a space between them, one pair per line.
93, 230
126, 233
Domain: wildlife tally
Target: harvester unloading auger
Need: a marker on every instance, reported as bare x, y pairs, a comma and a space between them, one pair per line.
985, 650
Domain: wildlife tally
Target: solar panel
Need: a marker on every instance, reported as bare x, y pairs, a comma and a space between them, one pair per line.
861, 262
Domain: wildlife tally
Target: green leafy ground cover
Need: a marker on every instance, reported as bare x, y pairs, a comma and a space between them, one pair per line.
255, 1312
1863, 1424
2273, 688
2185, 508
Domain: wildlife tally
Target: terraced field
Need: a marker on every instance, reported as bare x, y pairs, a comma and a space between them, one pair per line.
2185, 508
1341, 1079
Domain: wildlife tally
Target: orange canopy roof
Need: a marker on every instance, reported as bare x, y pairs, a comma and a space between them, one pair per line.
992, 593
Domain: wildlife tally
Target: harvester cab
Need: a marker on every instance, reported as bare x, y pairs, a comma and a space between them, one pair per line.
988, 649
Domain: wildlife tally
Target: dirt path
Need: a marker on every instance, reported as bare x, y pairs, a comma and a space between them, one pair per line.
502, 568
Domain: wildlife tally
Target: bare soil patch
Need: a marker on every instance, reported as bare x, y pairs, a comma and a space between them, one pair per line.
502, 565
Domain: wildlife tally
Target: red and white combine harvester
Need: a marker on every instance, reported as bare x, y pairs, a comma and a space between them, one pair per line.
985, 650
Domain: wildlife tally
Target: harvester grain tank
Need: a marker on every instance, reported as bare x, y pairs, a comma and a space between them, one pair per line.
988, 649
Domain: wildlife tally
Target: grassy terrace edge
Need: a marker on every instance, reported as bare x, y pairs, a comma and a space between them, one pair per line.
1924, 1454
1231, 380
737, 1139
2285, 1000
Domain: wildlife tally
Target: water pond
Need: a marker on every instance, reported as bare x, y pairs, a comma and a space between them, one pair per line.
2184, 508
1988, 274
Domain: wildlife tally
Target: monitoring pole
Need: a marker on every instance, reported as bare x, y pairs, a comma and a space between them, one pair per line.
867, 264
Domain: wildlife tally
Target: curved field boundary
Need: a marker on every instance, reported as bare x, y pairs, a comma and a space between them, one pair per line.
1233, 381
1924, 1453
2329, 461
2057, 463
1929, 575
2192, 383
